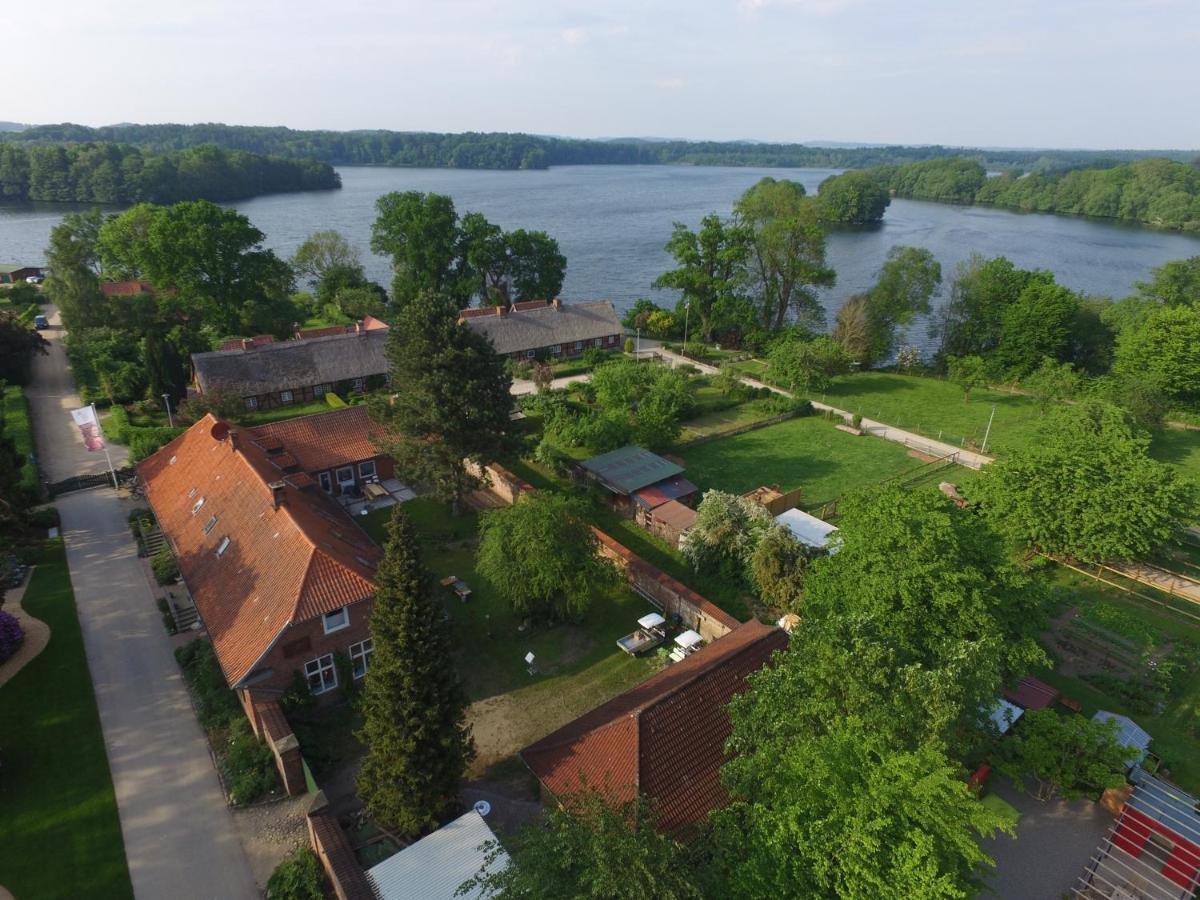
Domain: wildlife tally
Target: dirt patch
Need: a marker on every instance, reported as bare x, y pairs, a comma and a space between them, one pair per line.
923, 457
270, 832
37, 633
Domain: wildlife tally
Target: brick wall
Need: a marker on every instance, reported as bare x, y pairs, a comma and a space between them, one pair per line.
499, 481
305, 641
337, 858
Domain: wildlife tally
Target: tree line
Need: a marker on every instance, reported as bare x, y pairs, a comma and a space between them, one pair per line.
1159, 192
106, 172
475, 150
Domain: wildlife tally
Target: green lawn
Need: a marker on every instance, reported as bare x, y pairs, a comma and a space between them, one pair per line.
19, 427
1179, 447
579, 665
58, 815
807, 452
1176, 729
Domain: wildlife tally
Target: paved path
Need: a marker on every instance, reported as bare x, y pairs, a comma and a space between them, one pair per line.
522, 386
179, 835
917, 442
1167, 582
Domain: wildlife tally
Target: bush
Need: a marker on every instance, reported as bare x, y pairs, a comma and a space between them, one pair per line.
297, 878
116, 426
856, 420
216, 704
628, 345
144, 442
46, 517
11, 635
594, 356
222, 404
695, 350
248, 764
166, 570
164, 607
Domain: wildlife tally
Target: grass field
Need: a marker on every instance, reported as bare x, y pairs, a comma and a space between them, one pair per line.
59, 832
807, 452
579, 666
1176, 728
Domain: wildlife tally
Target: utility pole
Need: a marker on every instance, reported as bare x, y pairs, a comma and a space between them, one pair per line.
170, 418
983, 449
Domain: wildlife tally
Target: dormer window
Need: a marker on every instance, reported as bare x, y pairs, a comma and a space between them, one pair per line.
208, 526
196, 506
223, 546
336, 620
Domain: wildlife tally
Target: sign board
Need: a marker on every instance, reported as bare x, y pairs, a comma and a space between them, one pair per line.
89, 427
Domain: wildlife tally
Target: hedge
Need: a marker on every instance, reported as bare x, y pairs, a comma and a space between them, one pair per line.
19, 427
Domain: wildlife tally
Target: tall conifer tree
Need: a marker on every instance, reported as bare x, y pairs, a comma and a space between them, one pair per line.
418, 742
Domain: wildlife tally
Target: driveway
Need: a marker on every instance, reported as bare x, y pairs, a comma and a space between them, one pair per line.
179, 836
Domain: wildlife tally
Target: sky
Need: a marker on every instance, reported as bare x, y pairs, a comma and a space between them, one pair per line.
1013, 73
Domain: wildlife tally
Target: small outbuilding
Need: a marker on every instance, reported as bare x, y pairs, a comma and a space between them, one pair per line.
639, 481
1129, 732
10, 274
435, 866
671, 521
1004, 715
808, 530
1030, 693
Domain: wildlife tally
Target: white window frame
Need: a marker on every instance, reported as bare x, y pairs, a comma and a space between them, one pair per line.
321, 390
251, 403
364, 466
323, 669
326, 480
286, 397
579, 345
597, 343
360, 385
556, 349
342, 621
337, 475
360, 655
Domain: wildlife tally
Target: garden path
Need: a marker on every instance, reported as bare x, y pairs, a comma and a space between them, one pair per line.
37, 634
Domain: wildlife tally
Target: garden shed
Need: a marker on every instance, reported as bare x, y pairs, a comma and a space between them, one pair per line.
436, 865
1129, 732
808, 530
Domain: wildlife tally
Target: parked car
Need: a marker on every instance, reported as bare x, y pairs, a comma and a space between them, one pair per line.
35, 279
41, 323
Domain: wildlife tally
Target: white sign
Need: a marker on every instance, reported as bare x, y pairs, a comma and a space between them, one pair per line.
529, 657
89, 427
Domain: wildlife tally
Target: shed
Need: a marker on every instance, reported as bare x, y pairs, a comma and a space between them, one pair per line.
434, 867
655, 495
808, 530
15, 274
630, 469
1030, 693
1004, 715
1129, 732
671, 521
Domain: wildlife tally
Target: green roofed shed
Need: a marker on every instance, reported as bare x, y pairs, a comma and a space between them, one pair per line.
630, 469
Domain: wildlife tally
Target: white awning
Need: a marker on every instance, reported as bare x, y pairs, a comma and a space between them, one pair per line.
688, 639
805, 528
651, 620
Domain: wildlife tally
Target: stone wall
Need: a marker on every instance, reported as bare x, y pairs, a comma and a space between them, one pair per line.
272, 728
499, 481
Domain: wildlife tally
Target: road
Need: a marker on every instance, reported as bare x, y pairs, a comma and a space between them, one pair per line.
179, 834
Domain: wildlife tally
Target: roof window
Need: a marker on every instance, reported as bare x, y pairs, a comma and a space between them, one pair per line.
223, 546
196, 506
208, 526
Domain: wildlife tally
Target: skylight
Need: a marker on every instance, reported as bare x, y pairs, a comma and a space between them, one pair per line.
208, 526
223, 546
196, 506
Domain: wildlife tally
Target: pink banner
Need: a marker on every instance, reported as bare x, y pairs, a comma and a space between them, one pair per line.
89, 427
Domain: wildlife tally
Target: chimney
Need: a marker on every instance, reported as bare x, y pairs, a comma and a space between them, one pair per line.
247, 343
556, 303
277, 497
500, 310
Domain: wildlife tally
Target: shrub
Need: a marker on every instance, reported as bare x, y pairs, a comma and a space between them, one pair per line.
216, 704
856, 420
298, 697
11, 635
628, 345
594, 356
46, 517
297, 878
144, 442
223, 404
695, 350
164, 607
248, 764
116, 426
166, 570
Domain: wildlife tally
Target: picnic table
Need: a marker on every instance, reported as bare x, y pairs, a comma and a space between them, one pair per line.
460, 587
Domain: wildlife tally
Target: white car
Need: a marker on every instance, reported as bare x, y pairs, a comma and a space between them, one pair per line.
35, 279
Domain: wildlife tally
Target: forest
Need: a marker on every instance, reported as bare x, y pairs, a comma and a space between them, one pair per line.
105, 172
474, 150
1157, 192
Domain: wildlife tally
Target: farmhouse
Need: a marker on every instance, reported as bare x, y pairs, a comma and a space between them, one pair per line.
336, 448
547, 330
11, 274
663, 739
281, 576
286, 372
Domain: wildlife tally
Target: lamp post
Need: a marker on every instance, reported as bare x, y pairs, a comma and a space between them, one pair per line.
987, 433
167, 401
637, 350
687, 311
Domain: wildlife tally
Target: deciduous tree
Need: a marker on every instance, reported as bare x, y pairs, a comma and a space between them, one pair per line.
968, 372
808, 366
1035, 326
321, 251
1176, 283
712, 267
1052, 383
853, 198
540, 555
420, 233
1071, 756
414, 707
18, 345
903, 288
1165, 352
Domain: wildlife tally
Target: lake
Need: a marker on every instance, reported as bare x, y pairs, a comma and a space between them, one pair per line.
612, 221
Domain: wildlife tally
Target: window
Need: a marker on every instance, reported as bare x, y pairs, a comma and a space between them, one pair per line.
208, 526
336, 620
556, 349
596, 342
345, 475
529, 354
326, 482
360, 657
223, 546
321, 674
360, 384
285, 396
196, 506
366, 469
320, 390
251, 403
579, 345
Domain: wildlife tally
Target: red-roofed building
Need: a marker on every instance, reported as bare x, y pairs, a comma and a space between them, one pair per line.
1031, 693
665, 738
250, 343
335, 448
281, 576
126, 288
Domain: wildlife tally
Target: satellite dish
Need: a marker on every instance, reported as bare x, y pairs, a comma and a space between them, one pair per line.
219, 431
483, 807
364, 512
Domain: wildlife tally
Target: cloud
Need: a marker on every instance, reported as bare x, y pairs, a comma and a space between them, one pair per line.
573, 37
671, 84
813, 7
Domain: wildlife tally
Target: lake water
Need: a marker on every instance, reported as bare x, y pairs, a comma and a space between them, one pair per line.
612, 221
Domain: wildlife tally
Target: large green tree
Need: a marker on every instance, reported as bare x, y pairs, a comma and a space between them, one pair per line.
1176, 283
1087, 489
787, 253
420, 233
906, 282
589, 848
321, 251
414, 707
1164, 350
971, 322
711, 271
853, 198
74, 261
18, 345
845, 814
808, 366
449, 400
540, 555
1036, 325
1072, 756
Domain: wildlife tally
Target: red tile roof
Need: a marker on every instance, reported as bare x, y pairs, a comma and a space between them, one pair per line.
126, 288
250, 343
323, 440
665, 737
475, 312
367, 323
283, 563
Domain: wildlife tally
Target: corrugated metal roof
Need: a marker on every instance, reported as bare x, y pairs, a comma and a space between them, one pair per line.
630, 468
1129, 732
1031, 693
805, 528
434, 867
661, 492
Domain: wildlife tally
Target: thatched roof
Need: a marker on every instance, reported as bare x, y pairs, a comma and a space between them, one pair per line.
290, 365
516, 330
